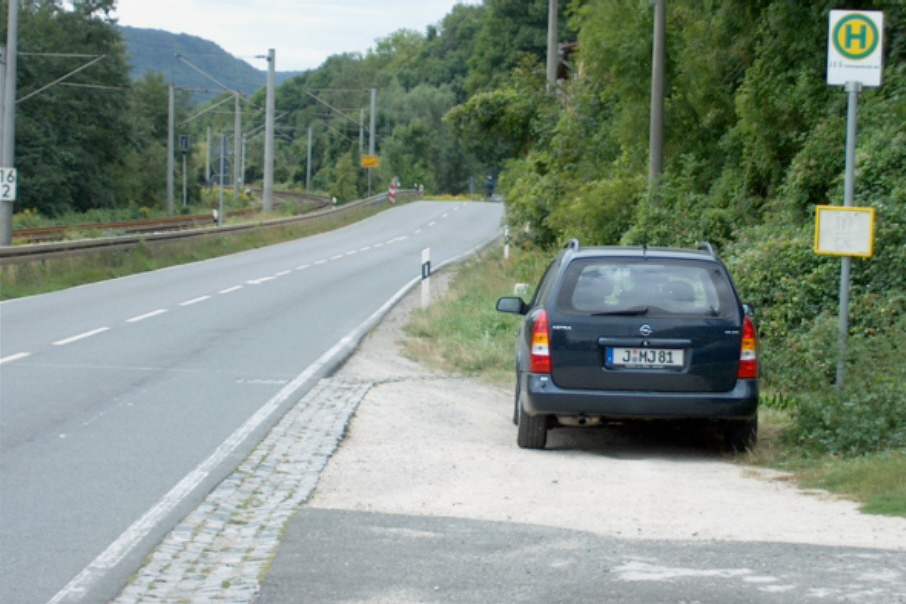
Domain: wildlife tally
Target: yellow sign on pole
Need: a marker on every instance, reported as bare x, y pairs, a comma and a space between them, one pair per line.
369, 161
842, 231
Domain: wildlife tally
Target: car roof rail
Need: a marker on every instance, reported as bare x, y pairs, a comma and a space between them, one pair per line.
707, 247
572, 244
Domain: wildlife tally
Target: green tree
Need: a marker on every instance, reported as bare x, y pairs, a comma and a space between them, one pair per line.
142, 175
71, 139
343, 185
510, 29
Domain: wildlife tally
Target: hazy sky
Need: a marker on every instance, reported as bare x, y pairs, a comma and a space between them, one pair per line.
303, 32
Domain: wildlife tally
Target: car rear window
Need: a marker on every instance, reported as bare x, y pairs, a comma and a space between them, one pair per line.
649, 287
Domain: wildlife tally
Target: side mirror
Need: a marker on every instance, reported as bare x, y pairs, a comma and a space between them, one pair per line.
748, 310
512, 305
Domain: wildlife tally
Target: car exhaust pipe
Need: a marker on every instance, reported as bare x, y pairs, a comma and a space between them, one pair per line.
579, 421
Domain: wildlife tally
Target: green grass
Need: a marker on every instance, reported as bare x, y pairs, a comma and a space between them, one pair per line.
876, 481
463, 333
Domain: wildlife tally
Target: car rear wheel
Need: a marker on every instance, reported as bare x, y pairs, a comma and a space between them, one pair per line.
532, 432
740, 436
516, 403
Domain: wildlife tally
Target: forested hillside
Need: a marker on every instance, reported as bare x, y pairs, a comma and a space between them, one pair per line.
754, 140
153, 50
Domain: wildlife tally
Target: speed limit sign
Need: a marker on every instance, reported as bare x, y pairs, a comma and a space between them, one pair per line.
7, 184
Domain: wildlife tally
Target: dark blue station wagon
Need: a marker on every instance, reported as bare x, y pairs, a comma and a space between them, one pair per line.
618, 333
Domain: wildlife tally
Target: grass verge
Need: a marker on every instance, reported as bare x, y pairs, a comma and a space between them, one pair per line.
463, 333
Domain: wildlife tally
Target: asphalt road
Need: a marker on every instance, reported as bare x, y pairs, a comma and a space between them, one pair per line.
125, 402
402, 559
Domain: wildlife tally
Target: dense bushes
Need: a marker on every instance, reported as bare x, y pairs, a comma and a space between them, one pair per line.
747, 162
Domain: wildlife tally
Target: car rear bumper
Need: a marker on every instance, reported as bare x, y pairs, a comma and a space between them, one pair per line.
542, 396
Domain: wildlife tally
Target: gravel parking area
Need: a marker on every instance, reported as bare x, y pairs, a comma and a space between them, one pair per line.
434, 444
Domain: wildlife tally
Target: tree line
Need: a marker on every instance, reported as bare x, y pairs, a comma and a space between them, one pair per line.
100, 141
754, 141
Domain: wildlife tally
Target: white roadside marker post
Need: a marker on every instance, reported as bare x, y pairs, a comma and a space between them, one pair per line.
426, 277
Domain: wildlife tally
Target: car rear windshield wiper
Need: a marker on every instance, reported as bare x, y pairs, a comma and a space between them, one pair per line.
626, 312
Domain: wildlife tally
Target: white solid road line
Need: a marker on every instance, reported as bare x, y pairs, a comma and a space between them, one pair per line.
81, 336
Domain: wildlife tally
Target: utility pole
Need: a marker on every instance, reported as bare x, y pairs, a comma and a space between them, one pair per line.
308, 165
553, 55
268, 200
245, 144
656, 136
220, 177
371, 132
207, 160
361, 130
237, 146
8, 123
171, 127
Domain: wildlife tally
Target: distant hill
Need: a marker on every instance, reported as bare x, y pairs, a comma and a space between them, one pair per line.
156, 50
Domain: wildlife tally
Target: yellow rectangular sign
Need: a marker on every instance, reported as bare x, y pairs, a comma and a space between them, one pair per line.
369, 161
842, 231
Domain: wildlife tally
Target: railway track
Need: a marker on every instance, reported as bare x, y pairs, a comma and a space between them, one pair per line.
156, 225
49, 250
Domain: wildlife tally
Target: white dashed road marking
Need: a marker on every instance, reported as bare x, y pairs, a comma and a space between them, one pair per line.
14, 357
81, 336
146, 316
195, 301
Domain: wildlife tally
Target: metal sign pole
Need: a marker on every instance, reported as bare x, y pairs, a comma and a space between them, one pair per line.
185, 186
849, 193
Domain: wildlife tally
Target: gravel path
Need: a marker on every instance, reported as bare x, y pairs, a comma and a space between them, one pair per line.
432, 444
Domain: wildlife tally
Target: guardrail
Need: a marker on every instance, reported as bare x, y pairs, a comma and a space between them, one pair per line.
152, 225
66, 249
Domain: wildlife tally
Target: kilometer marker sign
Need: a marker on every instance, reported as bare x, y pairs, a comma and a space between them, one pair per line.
8, 178
855, 48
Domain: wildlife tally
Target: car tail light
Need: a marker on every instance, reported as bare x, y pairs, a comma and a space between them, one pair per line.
540, 361
748, 352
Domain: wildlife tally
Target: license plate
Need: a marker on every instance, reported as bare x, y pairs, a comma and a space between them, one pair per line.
645, 358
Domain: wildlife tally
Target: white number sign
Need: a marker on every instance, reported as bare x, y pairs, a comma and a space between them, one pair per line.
7, 184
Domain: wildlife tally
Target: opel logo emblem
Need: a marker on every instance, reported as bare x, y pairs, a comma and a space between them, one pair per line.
646, 330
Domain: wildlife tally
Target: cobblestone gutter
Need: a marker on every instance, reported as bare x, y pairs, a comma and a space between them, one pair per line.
220, 550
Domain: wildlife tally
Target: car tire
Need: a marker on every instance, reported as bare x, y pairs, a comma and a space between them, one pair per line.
740, 436
532, 433
516, 402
